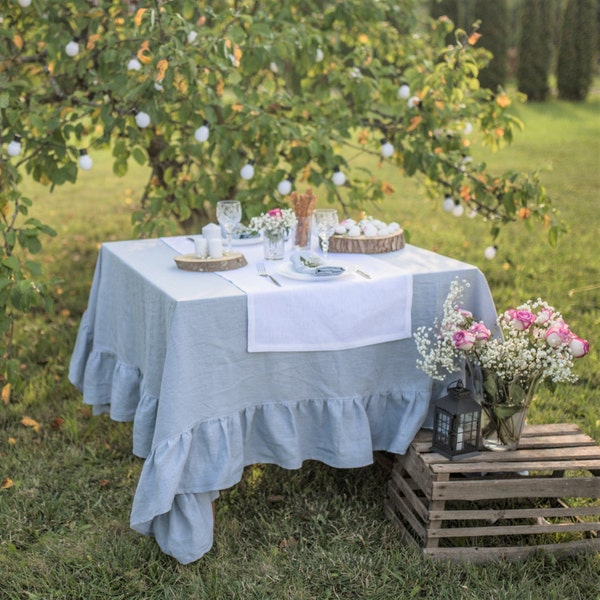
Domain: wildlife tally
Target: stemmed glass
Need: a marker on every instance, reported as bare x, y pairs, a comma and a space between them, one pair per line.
229, 214
325, 221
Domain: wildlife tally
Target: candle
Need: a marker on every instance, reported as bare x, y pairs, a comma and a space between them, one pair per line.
200, 247
211, 231
215, 247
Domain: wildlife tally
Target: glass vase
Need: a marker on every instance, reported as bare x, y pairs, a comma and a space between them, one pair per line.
505, 406
502, 425
274, 244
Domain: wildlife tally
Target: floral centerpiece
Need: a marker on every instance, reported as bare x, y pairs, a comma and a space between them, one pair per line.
533, 345
276, 226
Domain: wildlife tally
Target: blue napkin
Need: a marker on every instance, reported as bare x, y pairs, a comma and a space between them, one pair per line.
312, 264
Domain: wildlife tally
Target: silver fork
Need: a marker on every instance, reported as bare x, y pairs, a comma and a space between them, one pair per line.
262, 271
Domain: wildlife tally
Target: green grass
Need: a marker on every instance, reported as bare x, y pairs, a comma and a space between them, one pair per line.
318, 532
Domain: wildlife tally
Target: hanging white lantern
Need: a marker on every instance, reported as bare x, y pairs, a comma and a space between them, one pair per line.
338, 177
14, 147
142, 119
85, 160
247, 171
387, 149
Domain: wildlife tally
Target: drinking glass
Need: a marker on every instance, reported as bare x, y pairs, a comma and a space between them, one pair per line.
229, 214
325, 221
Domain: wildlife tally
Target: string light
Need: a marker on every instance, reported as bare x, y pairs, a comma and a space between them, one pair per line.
14, 147
285, 186
72, 48
319, 56
458, 209
201, 134
448, 204
247, 171
404, 92
338, 177
414, 101
387, 149
490, 252
85, 160
134, 64
142, 119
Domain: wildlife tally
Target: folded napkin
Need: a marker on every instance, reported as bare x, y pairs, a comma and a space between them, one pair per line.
312, 264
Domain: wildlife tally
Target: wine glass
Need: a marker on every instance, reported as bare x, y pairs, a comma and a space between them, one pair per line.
325, 221
229, 214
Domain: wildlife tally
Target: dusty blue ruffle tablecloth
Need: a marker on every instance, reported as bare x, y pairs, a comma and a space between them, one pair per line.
167, 349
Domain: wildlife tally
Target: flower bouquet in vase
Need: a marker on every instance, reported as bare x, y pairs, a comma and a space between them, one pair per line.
275, 226
531, 345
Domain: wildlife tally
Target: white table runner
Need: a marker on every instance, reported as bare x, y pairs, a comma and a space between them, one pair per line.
340, 313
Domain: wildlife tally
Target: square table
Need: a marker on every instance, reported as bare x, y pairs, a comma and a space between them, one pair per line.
167, 349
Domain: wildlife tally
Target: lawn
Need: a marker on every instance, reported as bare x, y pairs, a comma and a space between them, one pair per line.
315, 533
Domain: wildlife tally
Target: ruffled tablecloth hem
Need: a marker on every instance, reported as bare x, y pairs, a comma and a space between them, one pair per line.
189, 469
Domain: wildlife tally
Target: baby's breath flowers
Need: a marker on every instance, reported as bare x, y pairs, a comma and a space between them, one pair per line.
275, 221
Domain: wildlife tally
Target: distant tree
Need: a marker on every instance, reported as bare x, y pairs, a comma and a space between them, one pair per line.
495, 38
576, 52
535, 49
454, 10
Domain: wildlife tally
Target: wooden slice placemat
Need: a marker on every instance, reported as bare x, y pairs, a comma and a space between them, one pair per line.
228, 262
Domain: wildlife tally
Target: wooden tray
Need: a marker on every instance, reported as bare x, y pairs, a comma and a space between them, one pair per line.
367, 245
228, 262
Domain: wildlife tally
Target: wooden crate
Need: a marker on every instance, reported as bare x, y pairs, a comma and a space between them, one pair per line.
542, 496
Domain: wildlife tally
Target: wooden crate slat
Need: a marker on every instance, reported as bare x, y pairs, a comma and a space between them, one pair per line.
514, 513
515, 488
418, 471
407, 514
490, 467
556, 441
406, 489
550, 429
493, 530
585, 452
481, 555
405, 535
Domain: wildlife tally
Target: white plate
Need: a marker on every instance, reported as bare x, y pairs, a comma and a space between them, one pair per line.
286, 269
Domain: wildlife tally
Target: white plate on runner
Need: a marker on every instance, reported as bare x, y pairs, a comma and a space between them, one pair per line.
245, 241
286, 269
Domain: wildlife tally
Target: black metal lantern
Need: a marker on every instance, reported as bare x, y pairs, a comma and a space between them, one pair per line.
456, 423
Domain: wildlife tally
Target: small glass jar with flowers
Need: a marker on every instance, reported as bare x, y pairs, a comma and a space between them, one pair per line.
532, 345
275, 226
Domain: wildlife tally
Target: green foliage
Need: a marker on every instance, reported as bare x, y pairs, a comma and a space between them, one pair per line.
577, 50
294, 88
535, 49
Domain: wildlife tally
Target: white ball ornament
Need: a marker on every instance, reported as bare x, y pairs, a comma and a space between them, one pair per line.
448, 204
134, 64
85, 160
458, 209
490, 252
72, 49
247, 171
202, 133
338, 177
319, 56
191, 37
387, 149
24, 3
414, 101
468, 128
142, 119
403, 91
14, 147
274, 68
284, 187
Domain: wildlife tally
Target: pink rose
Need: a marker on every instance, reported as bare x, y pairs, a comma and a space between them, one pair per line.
579, 347
543, 316
519, 319
480, 331
558, 333
463, 340
275, 212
